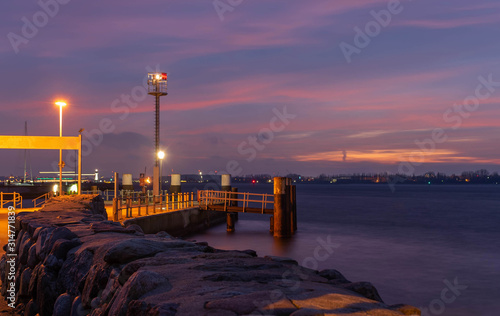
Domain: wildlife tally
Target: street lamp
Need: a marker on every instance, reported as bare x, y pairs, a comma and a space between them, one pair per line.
161, 155
61, 104
157, 86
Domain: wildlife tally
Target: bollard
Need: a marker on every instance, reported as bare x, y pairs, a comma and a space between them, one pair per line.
282, 223
166, 202
271, 224
175, 183
127, 182
225, 182
178, 200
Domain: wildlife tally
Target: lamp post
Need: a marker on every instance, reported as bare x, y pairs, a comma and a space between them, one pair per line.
61, 104
161, 155
157, 87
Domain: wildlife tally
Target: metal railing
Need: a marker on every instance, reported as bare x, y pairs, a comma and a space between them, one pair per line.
135, 204
227, 199
109, 195
39, 201
15, 198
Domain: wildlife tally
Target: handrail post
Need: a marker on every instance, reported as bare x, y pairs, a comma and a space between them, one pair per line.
115, 209
128, 208
139, 207
154, 204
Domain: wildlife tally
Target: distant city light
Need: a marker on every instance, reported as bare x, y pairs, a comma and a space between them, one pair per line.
73, 188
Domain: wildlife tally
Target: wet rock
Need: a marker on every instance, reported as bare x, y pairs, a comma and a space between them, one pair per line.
43, 236
282, 259
163, 234
95, 281
52, 263
61, 247
32, 259
406, 309
32, 288
309, 312
46, 291
31, 309
138, 307
57, 234
74, 270
139, 284
250, 252
134, 228
62, 307
100, 227
77, 307
25, 282
24, 250
133, 249
19, 240
333, 275
111, 286
364, 288
248, 276
242, 304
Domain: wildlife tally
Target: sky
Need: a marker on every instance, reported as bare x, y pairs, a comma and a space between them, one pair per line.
256, 86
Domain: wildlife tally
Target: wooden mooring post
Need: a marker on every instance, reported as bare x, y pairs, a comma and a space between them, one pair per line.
293, 207
283, 217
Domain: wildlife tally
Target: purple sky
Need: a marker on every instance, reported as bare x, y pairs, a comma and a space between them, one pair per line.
228, 79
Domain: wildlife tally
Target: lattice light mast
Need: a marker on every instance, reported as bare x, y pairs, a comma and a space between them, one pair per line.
157, 86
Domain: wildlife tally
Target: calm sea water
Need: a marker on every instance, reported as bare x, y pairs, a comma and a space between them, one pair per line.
408, 243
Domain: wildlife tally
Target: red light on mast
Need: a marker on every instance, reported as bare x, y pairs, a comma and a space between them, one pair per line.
164, 76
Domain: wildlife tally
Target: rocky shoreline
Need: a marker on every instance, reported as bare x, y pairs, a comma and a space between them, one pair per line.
72, 261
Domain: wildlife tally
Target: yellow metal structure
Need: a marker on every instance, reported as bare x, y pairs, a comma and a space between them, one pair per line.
15, 198
46, 142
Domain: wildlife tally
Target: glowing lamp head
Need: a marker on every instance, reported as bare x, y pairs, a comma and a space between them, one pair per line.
161, 154
158, 76
61, 103
73, 188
